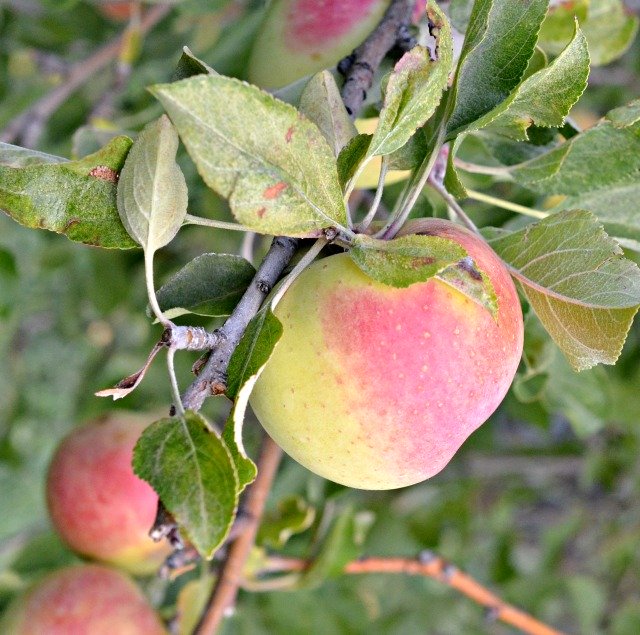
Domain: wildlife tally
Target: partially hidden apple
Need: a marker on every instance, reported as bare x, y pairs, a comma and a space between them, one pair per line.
86, 599
376, 387
97, 504
301, 37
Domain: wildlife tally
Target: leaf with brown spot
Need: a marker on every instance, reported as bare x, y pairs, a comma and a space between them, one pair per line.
245, 142
64, 196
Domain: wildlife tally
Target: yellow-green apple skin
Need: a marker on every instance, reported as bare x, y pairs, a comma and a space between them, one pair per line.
100, 508
86, 599
376, 387
301, 37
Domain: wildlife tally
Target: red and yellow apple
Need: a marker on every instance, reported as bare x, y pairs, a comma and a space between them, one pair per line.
85, 599
97, 504
301, 37
376, 387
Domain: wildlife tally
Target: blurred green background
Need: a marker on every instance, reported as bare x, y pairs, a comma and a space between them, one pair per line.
542, 504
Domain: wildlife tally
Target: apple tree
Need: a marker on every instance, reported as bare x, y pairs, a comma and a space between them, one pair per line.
365, 227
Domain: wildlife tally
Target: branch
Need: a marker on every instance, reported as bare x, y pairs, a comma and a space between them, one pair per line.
81, 72
431, 566
212, 379
360, 67
230, 576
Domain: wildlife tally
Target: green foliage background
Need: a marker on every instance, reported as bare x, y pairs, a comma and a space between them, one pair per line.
541, 504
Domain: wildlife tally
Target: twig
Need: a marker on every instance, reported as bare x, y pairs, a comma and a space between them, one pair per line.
230, 576
80, 73
360, 67
213, 375
431, 566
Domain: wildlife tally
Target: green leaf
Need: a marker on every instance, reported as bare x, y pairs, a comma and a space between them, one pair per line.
625, 115
74, 198
152, 192
460, 13
544, 98
414, 88
189, 65
351, 156
595, 159
575, 278
416, 258
293, 515
192, 471
321, 103
500, 41
608, 26
253, 351
273, 165
211, 284
245, 366
342, 544
18, 157
597, 170
405, 260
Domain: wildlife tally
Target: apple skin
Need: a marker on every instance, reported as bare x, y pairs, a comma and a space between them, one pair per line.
100, 508
82, 599
301, 37
376, 387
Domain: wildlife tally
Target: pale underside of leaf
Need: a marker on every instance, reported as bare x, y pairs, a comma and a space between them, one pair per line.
152, 192
576, 279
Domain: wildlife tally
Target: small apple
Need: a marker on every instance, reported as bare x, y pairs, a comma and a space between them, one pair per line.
83, 599
376, 387
97, 504
301, 37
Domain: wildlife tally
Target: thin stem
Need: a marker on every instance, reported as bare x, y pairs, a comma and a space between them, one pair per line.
175, 389
248, 242
474, 168
453, 205
190, 219
366, 221
151, 291
303, 263
231, 573
420, 179
512, 207
431, 566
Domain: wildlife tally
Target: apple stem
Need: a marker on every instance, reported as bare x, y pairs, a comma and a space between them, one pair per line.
366, 221
453, 205
415, 186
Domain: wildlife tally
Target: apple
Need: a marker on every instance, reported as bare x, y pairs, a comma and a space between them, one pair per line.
118, 11
97, 504
86, 598
376, 387
301, 37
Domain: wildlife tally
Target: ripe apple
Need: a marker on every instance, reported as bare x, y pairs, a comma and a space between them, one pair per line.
97, 504
118, 10
301, 37
86, 598
376, 387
